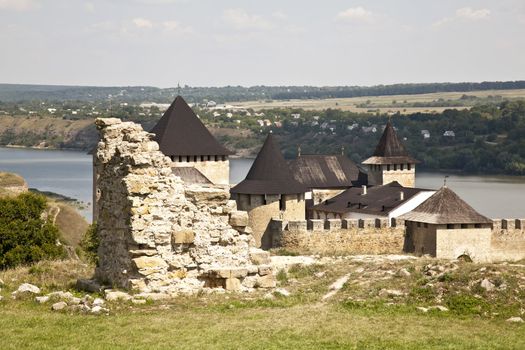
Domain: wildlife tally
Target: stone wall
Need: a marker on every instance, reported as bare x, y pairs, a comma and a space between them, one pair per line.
334, 236
263, 208
508, 239
160, 235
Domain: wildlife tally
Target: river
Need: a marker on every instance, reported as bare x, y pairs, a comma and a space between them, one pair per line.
69, 173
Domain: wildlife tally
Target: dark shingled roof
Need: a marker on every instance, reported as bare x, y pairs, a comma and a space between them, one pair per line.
323, 171
390, 150
190, 175
180, 133
269, 173
445, 207
379, 200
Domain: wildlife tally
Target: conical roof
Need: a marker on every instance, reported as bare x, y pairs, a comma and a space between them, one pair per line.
445, 207
390, 149
181, 133
269, 173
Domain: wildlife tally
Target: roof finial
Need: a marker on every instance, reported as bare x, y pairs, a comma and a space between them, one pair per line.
178, 89
298, 150
343, 150
445, 181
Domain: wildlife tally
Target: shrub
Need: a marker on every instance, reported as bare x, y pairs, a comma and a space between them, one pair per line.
25, 237
90, 243
465, 304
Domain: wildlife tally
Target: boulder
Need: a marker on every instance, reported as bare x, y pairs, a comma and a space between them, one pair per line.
98, 310
487, 285
61, 305
267, 281
282, 292
28, 288
42, 300
114, 295
515, 320
98, 301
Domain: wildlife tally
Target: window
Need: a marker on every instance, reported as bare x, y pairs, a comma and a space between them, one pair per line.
464, 226
180, 158
409, 166
188, 159
418, 224
450, 226
477, 225
388, 167
202, 158
395, 166
426, 225
282, 203
402, 166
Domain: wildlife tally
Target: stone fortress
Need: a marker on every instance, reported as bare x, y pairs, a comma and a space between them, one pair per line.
169, 223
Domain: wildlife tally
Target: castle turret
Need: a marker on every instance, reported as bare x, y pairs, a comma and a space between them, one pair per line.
391, 161
185, 139
269, 191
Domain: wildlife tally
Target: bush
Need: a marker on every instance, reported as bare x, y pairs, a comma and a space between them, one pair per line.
90, 243
25, 237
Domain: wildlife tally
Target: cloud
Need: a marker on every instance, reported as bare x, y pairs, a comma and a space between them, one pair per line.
279, 15
142, 23
240, 19
18, 5
358, 14
176, 27
465, 14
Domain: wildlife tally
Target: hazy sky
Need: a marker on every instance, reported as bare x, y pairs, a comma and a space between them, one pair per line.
256, 42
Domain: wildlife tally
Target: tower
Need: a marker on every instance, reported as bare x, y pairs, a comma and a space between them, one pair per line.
269, 191
184, 138
391, 161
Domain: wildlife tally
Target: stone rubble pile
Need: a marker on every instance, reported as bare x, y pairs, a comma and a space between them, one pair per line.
159, 235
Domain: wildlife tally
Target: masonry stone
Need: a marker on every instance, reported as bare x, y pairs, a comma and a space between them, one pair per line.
159, 235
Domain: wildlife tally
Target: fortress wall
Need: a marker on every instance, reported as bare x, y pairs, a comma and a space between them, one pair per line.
335, 236
508, 239
160, 235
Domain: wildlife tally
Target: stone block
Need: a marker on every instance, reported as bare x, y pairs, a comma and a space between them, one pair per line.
333, 224
232, 284
316, 225
259, 256
266, 281
297, 226
183, 237
150, 263
265, 270
239, 218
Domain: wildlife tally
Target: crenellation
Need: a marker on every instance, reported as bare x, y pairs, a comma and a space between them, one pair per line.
316, 224
332, 224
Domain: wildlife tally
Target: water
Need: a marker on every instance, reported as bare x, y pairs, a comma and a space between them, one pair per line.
69, 173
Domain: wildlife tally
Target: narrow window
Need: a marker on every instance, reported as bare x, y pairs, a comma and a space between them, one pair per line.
464, 226
425, 225
202, 158
388, 167
450, 226
477, 225
195, 158
188, 159
180, 158
409, 166
209, 157
223, 158
172, 158
402, 166
395, 166
216, 158
282, 203
418, 224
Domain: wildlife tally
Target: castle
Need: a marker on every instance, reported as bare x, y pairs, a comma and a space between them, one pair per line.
168, 221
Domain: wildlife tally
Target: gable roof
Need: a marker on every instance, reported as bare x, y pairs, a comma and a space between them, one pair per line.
181, 133
379, 200
326, 171
390, 149
269, 173
445, 207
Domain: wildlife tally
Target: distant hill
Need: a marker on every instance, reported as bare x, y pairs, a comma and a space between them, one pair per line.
21, 92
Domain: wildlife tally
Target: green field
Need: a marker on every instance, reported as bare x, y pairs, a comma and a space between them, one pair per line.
359, 316
383, 104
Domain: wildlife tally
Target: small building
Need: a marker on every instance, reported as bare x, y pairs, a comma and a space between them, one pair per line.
269, 191
391, 161
386, 201
446, 227
449, 133
425, 134
184, 138
325, 176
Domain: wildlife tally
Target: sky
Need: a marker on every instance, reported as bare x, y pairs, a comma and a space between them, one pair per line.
260, 42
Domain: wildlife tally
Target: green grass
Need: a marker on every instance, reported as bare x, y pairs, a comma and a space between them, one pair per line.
359, 316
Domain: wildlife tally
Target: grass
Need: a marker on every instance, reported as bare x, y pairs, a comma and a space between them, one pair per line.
358, 317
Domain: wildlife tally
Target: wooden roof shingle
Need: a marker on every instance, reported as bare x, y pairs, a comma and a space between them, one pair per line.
181, 133
269, 173
390, 149
445, 207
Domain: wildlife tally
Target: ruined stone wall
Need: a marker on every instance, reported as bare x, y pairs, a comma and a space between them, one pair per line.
160, 235
334, 236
